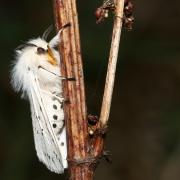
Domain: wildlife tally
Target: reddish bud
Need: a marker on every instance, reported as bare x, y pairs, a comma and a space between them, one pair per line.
98, 13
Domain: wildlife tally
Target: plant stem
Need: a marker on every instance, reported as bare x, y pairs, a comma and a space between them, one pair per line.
75, 110
84, 152
109, 84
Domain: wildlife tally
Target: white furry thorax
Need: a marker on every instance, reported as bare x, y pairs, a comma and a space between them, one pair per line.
28, 59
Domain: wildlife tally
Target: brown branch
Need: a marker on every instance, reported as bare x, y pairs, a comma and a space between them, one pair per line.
75, 110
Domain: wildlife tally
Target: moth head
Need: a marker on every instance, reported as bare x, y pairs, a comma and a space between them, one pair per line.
41, 48
38, 48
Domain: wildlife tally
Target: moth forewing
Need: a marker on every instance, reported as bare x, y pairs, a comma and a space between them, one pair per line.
51, 155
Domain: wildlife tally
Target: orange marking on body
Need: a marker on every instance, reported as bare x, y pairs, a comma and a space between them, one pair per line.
51, 59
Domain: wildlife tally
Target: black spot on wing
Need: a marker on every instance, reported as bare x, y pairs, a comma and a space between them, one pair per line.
61, 104
54, 106
52, 160
55, 117
40, 108
54, 125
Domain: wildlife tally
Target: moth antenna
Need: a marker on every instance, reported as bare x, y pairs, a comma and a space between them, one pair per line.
22, 46
55, 40
65, 26
47, 32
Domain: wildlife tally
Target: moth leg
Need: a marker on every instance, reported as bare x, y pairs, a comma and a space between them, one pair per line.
69, 78
65, 101
62, 78
53, 95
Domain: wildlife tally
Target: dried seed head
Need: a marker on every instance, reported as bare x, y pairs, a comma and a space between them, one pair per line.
92, 120
98, 13
128, 18
128, 9
102, 12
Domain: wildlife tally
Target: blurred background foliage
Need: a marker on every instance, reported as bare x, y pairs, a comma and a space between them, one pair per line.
144, 128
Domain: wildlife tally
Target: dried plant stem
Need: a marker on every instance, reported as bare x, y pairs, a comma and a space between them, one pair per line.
75, 110
109, 84
98, 143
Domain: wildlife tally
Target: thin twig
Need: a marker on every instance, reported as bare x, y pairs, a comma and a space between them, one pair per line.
98, 143
109, 85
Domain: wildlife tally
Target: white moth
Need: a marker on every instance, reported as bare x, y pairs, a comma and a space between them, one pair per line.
36, 74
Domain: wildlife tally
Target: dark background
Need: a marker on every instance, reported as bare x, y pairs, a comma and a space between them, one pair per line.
144, 128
